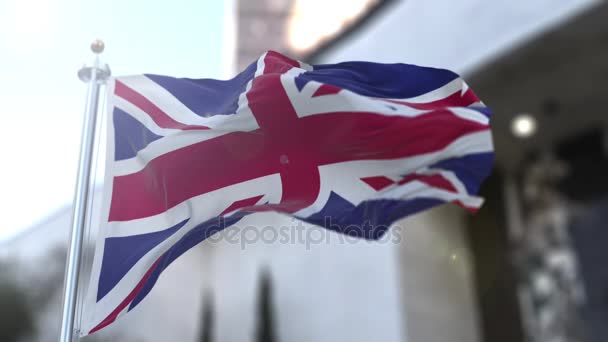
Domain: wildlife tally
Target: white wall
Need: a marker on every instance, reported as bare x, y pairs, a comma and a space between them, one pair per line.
324, 288
437, 277
457, 35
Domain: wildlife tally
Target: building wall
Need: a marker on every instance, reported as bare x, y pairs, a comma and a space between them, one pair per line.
458, 35
437, 277
435, 259
324, 288
261, 26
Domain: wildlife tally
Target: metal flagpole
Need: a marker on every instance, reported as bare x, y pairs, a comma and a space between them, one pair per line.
95, 74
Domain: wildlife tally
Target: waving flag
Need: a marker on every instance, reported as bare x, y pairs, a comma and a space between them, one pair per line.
352, 147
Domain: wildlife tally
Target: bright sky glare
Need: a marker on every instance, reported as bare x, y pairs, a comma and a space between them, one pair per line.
43, 43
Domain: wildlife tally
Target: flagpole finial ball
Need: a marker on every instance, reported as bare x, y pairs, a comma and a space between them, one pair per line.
97, 46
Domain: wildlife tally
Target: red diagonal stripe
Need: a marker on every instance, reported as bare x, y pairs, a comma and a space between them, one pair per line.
435, 180
274, 62
454, 100
438, 181
242, 204
472, 210
326, 89
161, 118
114, 314
379, 182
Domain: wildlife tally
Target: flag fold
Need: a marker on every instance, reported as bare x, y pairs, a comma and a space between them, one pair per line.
352, 147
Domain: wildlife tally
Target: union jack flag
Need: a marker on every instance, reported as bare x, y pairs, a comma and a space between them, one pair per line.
363, 144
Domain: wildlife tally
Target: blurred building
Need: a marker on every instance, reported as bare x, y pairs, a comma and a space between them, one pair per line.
528, 267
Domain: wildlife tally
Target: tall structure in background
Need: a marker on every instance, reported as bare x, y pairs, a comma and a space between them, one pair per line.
299, 28
261, 25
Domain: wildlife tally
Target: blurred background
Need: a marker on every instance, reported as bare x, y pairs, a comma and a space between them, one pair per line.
530, 266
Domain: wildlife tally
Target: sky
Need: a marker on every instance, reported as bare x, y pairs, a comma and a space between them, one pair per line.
43, 43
